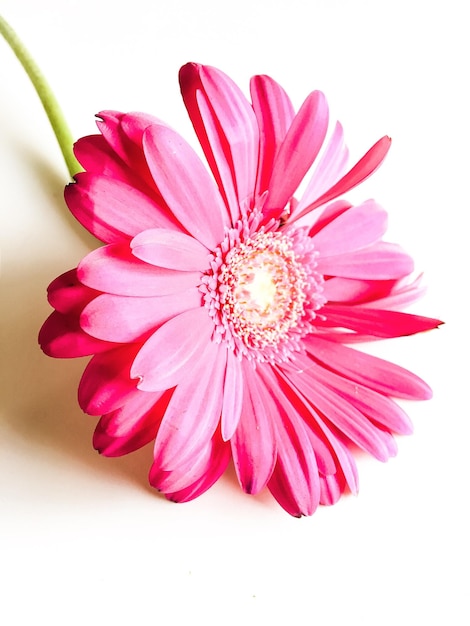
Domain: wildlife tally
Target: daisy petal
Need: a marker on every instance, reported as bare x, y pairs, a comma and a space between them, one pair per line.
105, 384
170, 355
297, 153
356, 175
330, 168
126, 319
185, 184
294, 482
111, 209
66, 294
227, 131
114, 269
377, 322
343, 415
170, 249
193, 412
356, 228
380, 261
130, 427
190, 481
253, 443
274, 112
368, 370
61, 337
233, 396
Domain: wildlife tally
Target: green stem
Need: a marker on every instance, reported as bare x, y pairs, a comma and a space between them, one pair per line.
49, 102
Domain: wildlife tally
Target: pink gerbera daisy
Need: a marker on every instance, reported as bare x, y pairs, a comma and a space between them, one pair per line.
218, 311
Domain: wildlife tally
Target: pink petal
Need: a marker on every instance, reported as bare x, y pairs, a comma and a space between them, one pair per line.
402, 294
274, 112
191, 481
171, 353
112, 210
368, 370
331, 454
132, 426
233, 396
297, 153
355, 291
62, 337
342, 414
126, 319
356, 175
124, 133
330, 168
227, 130
106, 384
377, 322
185, 184
295, 480
254, 443
380, 261
170, 249
346, 467
356, 228
114, 269
97, 157
327, 214
193, 412
325, 462
376, 407
66, 294
332, 487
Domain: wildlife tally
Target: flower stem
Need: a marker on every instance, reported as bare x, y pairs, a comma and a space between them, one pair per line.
49, 102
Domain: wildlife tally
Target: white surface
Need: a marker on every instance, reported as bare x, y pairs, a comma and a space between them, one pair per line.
83, 539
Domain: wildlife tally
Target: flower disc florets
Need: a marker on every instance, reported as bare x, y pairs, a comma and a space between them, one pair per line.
262, 291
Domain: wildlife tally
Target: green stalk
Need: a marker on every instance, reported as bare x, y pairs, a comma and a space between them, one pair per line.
49, 102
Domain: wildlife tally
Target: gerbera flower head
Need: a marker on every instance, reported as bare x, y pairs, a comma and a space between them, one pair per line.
218, 311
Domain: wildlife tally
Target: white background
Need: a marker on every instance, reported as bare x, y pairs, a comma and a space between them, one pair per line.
83, 539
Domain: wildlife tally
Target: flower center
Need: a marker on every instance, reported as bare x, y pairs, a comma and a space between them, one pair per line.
262, 291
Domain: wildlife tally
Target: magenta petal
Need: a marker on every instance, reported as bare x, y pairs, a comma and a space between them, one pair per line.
329, 169
295, 477
114, 269
297, 153
185, 184
62, 337
356, 228
170, 355
112, 210
170, 249
368, 370
343, 415
106, 384
131, 426
193, 479
227, 130
66, 294
356, 175
379, 261
376, 322
355, 291
274, 112
193, 412
97, 157
377, 407
254, 443
233, 396
127, 319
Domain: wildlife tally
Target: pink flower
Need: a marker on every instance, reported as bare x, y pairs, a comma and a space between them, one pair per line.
218, 311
